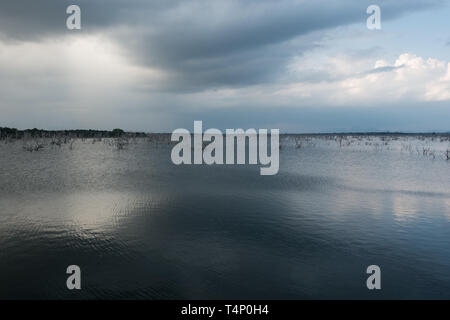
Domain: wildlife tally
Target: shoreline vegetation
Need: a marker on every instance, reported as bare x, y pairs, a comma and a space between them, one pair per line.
14, 133
6, 132
38, 139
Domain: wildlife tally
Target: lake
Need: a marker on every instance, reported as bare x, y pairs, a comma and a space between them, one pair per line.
141, 227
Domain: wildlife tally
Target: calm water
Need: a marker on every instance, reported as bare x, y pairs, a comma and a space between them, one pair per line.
142, 228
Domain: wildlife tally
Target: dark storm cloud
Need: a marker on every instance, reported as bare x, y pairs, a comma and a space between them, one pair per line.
199, 44
244, 43
30, 20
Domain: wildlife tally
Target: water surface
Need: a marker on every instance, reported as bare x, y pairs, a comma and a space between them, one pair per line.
142, 228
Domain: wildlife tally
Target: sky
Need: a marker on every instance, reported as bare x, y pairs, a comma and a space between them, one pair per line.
295, 65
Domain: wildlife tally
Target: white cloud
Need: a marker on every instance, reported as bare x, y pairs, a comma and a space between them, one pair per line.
315, 80
352, 81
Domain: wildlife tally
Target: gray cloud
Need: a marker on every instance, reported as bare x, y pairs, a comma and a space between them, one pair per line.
246, 43
200, 44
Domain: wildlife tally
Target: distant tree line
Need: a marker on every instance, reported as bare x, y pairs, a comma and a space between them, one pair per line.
13, 133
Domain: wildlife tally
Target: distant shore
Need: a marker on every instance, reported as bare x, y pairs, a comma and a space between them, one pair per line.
13, 133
